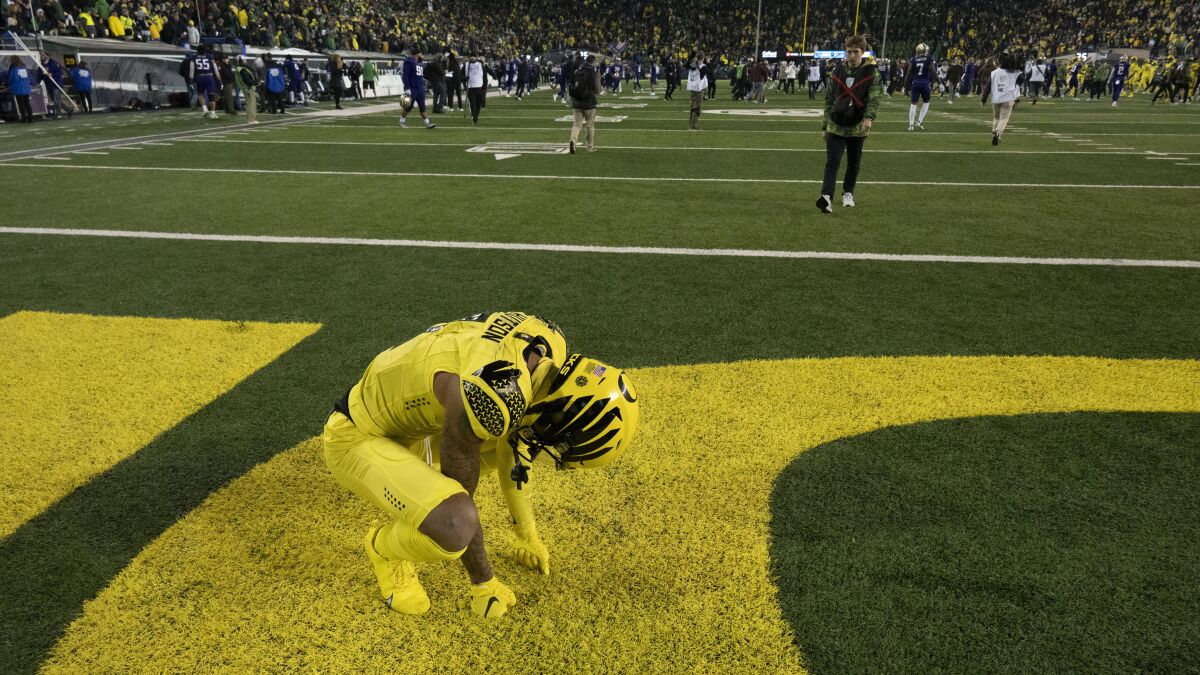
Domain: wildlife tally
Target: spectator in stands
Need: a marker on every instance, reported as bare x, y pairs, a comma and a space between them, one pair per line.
20, 84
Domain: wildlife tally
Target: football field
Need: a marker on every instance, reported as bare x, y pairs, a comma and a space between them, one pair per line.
951, 429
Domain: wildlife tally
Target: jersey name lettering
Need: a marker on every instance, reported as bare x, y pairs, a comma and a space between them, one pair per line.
503, 325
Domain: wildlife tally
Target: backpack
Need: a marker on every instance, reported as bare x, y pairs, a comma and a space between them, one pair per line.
583, 83
849, 108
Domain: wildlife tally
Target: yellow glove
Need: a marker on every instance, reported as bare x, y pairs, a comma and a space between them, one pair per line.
529, 550
491, 599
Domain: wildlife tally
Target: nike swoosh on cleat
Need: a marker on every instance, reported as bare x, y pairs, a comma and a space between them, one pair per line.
489, 607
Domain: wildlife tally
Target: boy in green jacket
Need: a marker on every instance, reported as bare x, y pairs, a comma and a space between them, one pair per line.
852, 97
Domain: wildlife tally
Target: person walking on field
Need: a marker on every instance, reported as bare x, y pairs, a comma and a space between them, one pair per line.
851, 99
585, 84
697, 84
1005, 92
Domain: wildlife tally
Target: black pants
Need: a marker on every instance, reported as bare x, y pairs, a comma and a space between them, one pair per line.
86, 97
439, 95
454, 88
712, 88
812, 89
274, 102
24, 110
475, 98
670, 89
520, 88
1168, 89
835, 147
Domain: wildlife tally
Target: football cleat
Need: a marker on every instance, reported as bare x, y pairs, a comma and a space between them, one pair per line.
825, 204
398, 583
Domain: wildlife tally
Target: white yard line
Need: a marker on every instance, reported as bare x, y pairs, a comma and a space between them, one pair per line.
618, 129
88, 152
620, 250
623, 179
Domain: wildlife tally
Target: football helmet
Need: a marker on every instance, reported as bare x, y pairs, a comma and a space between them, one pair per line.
922, 49
406, 103
583, 416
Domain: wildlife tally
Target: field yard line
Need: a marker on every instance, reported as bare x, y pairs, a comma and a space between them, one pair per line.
623, 250
704, 149
627, 179
634, 116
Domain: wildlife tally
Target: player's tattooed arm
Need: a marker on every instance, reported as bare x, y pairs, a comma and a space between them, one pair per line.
460, 461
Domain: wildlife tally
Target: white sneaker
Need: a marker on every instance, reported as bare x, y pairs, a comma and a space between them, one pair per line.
403, 124
825, 204
847, 199
1114, 104
910, 127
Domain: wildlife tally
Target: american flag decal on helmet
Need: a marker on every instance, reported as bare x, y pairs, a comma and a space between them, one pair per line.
599, 371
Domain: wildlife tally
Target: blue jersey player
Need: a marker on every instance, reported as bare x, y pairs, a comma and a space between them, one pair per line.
414, 89
920, 73
208, 80
1119, 75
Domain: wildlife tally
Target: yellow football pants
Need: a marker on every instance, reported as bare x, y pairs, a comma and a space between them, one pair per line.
394, 478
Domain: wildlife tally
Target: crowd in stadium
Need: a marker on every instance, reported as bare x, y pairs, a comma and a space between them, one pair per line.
951, 27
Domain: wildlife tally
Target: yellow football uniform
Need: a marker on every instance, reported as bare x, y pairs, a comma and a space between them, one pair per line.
381, 441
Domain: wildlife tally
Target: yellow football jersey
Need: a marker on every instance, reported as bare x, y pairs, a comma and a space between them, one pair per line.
487, 351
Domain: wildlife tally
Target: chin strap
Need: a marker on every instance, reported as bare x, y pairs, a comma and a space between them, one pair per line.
520, 472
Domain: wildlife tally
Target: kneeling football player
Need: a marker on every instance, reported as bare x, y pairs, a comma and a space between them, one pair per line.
496, 390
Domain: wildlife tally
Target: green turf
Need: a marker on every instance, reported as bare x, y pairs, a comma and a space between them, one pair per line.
1049, 543
633, 310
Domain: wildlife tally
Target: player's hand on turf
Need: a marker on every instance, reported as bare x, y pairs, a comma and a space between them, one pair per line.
491, 599
529, 550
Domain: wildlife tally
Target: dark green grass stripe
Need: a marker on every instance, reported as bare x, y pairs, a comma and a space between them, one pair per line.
1048, 543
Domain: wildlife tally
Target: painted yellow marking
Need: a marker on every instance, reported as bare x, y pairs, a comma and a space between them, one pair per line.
80, 393
661, 562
